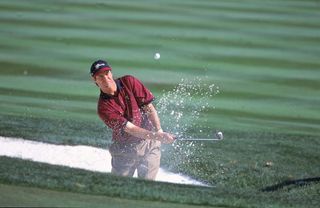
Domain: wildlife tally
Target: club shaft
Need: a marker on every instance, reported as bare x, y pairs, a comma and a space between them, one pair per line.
217, 137
181, 139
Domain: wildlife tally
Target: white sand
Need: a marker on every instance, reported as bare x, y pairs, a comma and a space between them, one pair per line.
84, 157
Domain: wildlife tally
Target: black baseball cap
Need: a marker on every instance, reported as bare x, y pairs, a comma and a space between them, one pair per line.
99, 66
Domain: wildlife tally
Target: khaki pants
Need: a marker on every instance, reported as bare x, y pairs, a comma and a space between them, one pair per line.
143, 156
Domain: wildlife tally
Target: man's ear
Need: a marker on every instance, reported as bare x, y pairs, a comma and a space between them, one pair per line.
94, 80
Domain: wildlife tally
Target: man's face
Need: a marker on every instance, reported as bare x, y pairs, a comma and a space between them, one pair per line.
104, 79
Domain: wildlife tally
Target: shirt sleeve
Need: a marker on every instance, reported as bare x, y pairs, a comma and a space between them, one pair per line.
142, 94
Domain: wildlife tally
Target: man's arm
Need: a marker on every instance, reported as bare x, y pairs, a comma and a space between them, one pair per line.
136, 131
153, 116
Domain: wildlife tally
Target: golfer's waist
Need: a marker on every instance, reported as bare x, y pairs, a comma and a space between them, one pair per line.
128, 140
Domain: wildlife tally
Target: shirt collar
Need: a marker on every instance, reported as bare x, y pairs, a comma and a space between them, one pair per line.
119, 87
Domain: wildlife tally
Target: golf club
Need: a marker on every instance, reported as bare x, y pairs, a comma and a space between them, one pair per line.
217, 137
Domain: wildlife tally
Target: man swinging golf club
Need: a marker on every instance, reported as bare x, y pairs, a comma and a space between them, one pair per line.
125, 106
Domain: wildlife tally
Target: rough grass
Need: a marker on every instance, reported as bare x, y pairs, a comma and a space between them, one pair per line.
30, 174
36, 197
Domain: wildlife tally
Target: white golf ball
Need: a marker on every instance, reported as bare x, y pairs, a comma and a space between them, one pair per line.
156, 56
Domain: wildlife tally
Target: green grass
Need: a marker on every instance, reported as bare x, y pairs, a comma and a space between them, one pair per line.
263, 56
35, 197
30, 174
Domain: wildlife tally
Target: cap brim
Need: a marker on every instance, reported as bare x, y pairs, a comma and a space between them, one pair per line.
101, 70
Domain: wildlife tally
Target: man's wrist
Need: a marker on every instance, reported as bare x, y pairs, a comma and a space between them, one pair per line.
159, 130
155, 135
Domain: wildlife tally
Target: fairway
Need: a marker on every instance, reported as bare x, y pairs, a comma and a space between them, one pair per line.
248, 68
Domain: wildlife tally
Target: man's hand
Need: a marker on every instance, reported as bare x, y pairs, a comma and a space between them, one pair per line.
164, 137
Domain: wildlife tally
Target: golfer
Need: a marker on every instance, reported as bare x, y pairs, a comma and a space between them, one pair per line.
125, 106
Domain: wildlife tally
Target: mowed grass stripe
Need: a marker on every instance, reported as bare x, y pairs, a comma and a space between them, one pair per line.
257, 96
51, 86
44, 107
296, 109
46, 95
253, 5
289, 75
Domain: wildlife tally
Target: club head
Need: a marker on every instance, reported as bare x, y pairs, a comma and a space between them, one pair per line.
219, 135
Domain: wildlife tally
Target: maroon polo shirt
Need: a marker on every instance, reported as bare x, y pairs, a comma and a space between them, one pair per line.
126, 105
